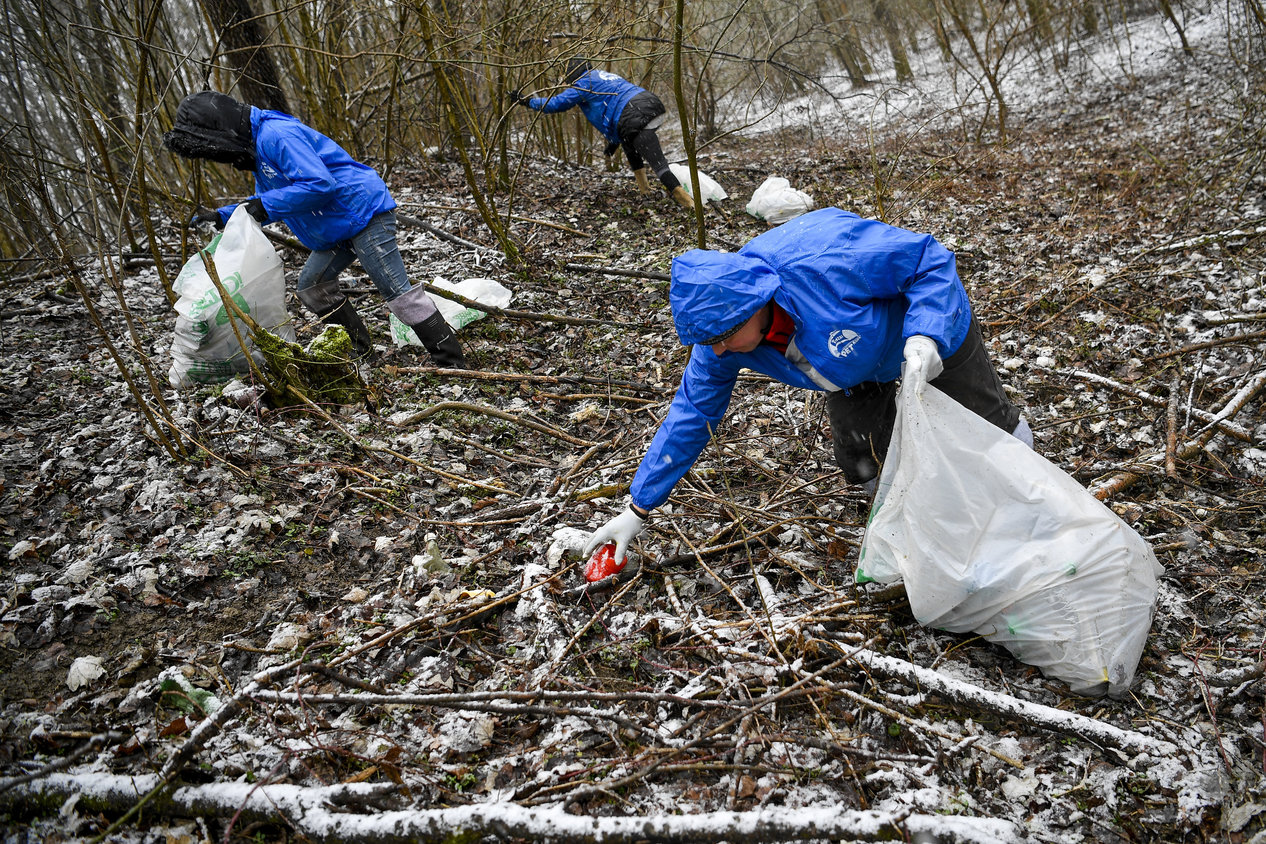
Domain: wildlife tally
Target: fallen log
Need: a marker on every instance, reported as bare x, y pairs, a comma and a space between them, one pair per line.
311, 814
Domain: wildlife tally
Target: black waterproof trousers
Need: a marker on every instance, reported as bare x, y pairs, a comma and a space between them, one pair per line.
862, 417
638, 122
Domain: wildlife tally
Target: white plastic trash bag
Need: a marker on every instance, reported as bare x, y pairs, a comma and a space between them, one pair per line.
711, 190
992, 538
485, 291
204, 349
776, 201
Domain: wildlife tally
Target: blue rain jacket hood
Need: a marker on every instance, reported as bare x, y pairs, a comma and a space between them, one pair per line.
600, 94
311, 183
713, 292
856, 289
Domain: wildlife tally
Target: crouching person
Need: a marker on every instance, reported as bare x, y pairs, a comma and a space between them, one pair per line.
338, 207
827, 301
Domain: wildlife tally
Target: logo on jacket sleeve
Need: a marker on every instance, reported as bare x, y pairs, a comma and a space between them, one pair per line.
267, 170
841, 342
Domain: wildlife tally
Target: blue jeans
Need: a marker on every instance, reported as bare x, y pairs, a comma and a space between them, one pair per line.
375, 247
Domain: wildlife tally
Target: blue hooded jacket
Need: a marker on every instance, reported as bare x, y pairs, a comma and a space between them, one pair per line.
856, 289
310, 183
600, 94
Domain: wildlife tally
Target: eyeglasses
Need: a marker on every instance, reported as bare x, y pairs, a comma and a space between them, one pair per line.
724, 335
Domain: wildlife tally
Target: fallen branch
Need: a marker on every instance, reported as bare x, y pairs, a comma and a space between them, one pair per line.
481, 375
211, 726
1210, 344
94, 743
499, 414
1237, 431
518, 217
1047, 717
467, 703
1206, 239
1236, 676
1171, 426
307, 812
524, 316
1107, 487
449, 475
1232, 319
410, 220
585, 268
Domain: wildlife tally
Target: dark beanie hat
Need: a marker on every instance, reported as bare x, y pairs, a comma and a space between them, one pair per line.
577, 68
213, 126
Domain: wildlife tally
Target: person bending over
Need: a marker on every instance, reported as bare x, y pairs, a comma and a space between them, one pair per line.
827, 301
338, 207
626, 115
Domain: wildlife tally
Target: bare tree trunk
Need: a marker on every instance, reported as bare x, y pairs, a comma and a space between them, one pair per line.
1182, 36
987, 61
845, 45
451, 105
892, 32
1090, 18
246, 49
1040, 14
687, 131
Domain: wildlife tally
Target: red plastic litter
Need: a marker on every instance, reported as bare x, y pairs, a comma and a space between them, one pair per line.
602, 563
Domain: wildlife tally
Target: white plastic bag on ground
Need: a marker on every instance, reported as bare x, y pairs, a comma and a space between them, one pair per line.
204, 349
485, 291
991, 537
711, 190
776, 201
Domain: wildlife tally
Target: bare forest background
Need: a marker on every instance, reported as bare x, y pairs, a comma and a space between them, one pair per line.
89, 90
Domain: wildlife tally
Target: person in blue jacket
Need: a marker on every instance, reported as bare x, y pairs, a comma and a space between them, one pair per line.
626, 115
336, 206
826, 301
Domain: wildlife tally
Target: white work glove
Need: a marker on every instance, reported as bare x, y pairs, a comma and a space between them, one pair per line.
621, 530
922, 359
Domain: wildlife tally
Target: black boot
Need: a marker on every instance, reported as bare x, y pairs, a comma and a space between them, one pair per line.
441, 342
346, 316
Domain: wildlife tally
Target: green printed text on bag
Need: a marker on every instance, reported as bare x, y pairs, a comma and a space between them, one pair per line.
204, 347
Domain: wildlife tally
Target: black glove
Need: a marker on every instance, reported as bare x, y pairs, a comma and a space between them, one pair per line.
516, 98
255, 207
611, 148
212, 217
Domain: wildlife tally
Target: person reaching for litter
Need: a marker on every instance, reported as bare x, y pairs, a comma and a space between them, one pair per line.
827, 301
338, 207
626, 115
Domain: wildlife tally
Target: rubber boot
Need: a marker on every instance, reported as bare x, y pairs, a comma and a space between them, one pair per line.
438, 338
346, 316
683, 199
643, 186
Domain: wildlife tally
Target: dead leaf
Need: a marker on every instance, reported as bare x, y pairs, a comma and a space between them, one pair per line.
362, 775
83, 671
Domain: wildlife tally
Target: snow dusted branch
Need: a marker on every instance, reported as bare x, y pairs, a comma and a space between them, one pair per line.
587, 713
210, 726
1033, 713
1107, 487
310, 813
1237, 431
